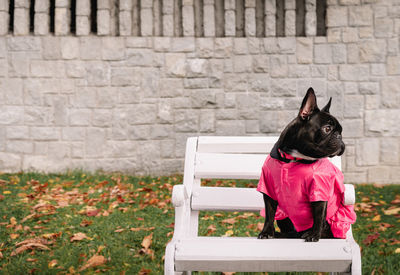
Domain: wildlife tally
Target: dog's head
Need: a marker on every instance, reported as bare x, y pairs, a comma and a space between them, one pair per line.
314, 133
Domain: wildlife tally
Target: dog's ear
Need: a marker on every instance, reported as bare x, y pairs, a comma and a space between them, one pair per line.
309, 105
327, 106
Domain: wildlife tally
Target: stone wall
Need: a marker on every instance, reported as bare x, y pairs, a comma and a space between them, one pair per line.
122, 96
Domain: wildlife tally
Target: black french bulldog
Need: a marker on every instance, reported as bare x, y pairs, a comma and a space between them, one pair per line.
314, 134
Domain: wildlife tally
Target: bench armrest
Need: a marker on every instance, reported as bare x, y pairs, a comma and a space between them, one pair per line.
178, 195
349, 197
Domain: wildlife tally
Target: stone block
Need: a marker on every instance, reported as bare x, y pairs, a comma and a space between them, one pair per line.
353, 128
383, 28
290, 23
353, 72
183, 44
95, 142
21, 21
204, 98
261, 64
207, 121
143, 114
390, 96
113, 48
372, 51
279, 66
230, 19
171, 87
339, 54
17, 66
360, 16
62, 21
393, 65
125, 23
10, 162
369, 88
231, 127
79, 117
146, 21
304, 50
250, 22
205, 47
283, 88
23, 43
82, 25
353, 106
382, 122
367, 151
336, 16
240, 46
69, 47
209, 20
175, 64
186, 121
322, 54
390, 151
242, 63
90, 48
103, 22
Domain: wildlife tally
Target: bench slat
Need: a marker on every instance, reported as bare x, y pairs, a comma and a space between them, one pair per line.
229, 166
227, 199
253, 255
262, 145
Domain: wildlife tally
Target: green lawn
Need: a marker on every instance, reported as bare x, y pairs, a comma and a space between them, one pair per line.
77, 223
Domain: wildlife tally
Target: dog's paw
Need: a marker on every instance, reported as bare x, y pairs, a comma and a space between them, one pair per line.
311, 236
265, 235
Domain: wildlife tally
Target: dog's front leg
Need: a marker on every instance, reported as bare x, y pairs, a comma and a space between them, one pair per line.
318, 209
268, 232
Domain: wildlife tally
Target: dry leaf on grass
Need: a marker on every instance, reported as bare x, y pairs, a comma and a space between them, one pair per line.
96, 260
392, 211
29, 246
79, 237
1, 255
52, 263
147, 241
144, 271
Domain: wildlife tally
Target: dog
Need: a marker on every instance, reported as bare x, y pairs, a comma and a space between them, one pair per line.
301, 188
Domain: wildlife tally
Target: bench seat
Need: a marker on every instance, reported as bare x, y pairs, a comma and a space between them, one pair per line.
253, 255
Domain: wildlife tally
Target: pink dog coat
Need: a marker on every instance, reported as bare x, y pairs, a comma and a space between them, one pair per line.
295, 185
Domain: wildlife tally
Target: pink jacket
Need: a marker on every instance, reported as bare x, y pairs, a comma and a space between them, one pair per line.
294, 185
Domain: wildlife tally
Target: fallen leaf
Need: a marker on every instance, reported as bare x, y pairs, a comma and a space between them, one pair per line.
376, 218
31, 260
228, 233
147, 241
13, 221
14, 236
392, 211
34, 240
96, 260
85, 223
1, 255
92, 213
52, 263
230, 221
119, 230
397, 250
6, 192
144, 271
1, 197
370, 239
79, 237
29, 246
211, 229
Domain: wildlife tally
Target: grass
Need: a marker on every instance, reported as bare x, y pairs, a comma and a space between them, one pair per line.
127, 221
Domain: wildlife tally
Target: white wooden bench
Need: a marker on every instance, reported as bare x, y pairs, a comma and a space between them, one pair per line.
242, 158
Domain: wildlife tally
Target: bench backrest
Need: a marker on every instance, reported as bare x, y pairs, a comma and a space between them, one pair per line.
234, 157
213, 157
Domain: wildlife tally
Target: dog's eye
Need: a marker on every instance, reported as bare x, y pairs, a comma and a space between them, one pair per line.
327, 129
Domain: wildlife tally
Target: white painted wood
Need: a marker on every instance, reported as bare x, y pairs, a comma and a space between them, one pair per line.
241, 199
234, 158
220, 144
227, 199
349, 195
229, 166
253, 255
